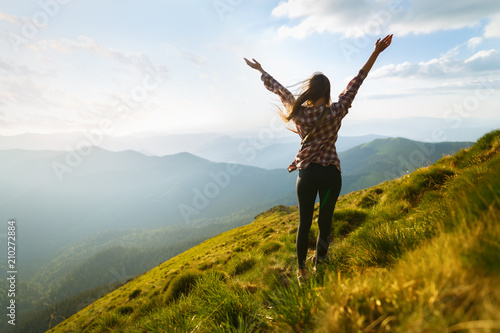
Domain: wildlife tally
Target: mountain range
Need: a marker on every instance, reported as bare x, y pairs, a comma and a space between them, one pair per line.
129, 211
415, 254
272, 151
61, 197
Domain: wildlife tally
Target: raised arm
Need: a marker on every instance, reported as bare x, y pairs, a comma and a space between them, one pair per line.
380, 45
255, 65
347, 96
271, 84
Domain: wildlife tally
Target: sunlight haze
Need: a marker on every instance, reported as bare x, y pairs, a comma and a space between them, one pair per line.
125, 67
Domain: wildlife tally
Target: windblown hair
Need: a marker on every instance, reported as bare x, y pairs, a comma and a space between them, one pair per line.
314, 88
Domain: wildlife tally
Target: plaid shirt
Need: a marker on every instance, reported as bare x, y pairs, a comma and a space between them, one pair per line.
320, 148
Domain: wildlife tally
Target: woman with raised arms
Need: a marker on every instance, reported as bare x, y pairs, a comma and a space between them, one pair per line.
317, 121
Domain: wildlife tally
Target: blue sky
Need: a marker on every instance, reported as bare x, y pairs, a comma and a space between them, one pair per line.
176, 66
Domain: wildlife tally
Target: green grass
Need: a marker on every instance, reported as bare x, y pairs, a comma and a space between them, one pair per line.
417, 254
181, 285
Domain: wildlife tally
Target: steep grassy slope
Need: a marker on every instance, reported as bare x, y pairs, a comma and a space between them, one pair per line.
387, 159
417, 254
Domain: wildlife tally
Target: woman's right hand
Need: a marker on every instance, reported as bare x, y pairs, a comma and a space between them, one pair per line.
255, 65
381, 45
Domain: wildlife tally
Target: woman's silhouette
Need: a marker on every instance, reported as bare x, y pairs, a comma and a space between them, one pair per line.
317, 121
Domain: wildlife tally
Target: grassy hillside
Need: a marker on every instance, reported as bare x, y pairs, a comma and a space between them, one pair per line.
387, 159
417, 254
91, 268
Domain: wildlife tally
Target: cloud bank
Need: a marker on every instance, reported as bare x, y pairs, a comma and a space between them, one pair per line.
357, 18
446, 66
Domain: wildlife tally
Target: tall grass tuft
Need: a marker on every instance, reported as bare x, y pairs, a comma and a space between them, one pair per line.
430, 178
270, 247
346, 220
227, 308
241, 265
182, 284
109, 320
293, 307
487, 146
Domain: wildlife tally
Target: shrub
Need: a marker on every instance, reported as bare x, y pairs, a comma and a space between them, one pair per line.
251, 244
125, 310
238, 249
206, 265
424, 180
347, 220
217, 275
370, 199
134, 294
242, 266
110, 320
182, 284
270, 247
367, 201
236, 316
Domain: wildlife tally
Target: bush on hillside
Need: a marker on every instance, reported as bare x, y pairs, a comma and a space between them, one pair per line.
423, 180
270, 247
242, 265
485, 148
182, 284
347, 220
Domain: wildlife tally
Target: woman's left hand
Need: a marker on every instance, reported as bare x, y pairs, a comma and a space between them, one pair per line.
255, 65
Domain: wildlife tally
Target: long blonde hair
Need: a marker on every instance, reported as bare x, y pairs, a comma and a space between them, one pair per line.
314, 88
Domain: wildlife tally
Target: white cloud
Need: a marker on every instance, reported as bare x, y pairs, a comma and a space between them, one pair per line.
492, 29
484, 61
446, 66
427, 16
481, 55
474, 42
357, 18
338, 16
139, 61
55, 76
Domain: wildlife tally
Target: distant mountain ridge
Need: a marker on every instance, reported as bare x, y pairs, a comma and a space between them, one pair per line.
386, 159
354, 132
116, 190
273, 152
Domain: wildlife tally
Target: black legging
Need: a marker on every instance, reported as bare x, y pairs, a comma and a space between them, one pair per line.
328, 181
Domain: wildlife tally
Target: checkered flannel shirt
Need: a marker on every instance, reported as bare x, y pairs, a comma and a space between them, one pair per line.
320, 147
